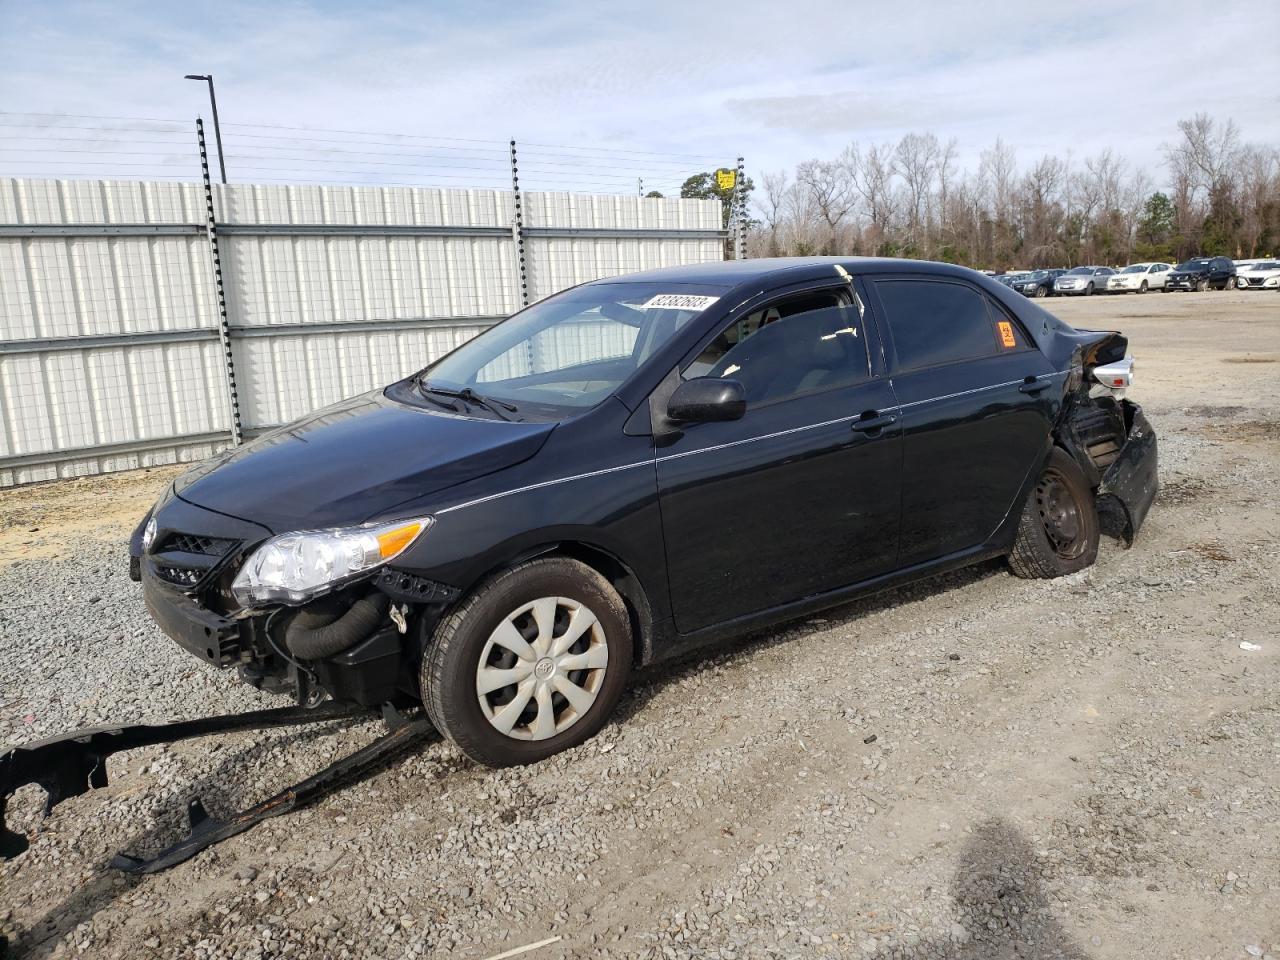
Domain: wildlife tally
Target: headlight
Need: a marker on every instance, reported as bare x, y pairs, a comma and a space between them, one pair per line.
148, 535
295, 567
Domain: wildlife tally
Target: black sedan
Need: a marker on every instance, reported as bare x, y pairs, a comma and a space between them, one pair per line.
639, 466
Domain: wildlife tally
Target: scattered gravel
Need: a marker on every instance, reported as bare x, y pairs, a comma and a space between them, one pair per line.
973, 767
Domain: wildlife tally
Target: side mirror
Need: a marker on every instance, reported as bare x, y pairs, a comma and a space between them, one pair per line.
706, 400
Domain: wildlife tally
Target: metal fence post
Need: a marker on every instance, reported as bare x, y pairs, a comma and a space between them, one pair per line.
517, 229
740, 227
224, 326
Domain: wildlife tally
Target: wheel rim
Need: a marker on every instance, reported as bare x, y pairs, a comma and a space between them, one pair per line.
1061, 515
542, 668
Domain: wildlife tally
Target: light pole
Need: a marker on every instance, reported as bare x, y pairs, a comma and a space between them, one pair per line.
217, 130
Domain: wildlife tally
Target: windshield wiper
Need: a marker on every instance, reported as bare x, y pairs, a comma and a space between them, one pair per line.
467, 395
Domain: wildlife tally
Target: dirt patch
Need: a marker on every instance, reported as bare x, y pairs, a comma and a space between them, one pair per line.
1213, 550
1248, 430
1250, 360
1178, 490
1213, 413
35, 521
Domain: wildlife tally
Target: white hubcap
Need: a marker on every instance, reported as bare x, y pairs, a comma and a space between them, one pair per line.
542, 668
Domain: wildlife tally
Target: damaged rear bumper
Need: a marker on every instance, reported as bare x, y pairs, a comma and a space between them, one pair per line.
1129, 485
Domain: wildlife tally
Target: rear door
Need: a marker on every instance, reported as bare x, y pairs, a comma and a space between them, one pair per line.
977, 403
801, 495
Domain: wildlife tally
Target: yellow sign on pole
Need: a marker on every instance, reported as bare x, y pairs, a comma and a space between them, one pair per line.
726, 179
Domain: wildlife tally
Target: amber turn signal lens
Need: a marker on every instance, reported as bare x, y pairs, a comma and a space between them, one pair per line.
393, 541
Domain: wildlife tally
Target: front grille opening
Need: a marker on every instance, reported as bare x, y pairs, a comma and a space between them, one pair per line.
179, 576
194, 543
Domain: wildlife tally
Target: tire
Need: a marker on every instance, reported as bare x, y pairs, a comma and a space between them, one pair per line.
1058, 530
1041, 291
1142, 287
451, 665
1088, 291
1202, 286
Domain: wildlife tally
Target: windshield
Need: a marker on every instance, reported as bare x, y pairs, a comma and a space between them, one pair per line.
1136, 268
572, 350
1079, 270
1200, 264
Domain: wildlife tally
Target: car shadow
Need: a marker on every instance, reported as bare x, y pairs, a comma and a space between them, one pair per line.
222, 792
1002, 911
650, 681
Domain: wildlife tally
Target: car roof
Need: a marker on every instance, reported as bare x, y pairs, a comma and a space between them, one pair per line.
732, 273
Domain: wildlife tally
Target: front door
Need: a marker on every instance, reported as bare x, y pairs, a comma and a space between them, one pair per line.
801, 495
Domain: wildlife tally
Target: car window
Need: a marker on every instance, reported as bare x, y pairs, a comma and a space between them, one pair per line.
935, 322
1009, 333
573, 349
792, 347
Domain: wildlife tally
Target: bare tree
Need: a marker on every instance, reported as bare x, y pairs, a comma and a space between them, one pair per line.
830, 186
912, 197
915, 160
771, 204
873, 179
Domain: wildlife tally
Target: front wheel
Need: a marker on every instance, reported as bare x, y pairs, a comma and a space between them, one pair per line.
532, 663
1058, 531
1088, 291
1142, 288
1202, 286
1042, 291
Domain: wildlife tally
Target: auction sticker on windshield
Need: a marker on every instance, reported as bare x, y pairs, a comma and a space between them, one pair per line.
679, 301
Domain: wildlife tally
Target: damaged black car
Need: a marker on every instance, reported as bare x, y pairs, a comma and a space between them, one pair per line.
639, 466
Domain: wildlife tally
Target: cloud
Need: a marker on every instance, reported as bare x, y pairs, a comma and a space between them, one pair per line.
776, 83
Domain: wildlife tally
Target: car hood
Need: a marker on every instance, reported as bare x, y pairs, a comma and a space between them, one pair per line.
354, 461
1250, 272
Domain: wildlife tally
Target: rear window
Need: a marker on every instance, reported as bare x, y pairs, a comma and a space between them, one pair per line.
935, 322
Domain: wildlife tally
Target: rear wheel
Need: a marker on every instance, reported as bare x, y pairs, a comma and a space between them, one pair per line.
1058, 530
532, 663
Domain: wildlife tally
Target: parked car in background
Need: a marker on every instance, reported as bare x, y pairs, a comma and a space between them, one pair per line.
1011, 277
1203, 273
1139, 278
1261, 275
1083, 281
1037, 283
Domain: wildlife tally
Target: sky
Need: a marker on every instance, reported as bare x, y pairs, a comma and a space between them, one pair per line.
616, 91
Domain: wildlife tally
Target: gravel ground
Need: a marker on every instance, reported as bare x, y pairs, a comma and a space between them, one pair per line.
974, 766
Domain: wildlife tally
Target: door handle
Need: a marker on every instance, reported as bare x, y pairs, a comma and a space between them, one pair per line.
1032, 385
874, 423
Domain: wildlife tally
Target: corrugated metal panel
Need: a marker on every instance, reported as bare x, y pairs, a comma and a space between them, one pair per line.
138, 403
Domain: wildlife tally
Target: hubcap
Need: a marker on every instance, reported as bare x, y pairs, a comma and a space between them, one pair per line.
1060, 515
542, 668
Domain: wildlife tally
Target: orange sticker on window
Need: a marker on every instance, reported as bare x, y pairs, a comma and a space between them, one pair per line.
1007, 339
